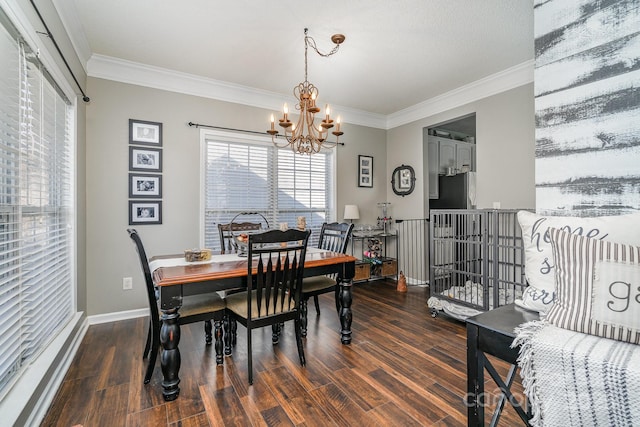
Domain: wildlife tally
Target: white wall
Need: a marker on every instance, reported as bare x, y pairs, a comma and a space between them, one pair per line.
504, 153
111, 254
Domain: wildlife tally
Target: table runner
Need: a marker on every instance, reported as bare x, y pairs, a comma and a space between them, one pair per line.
180, 260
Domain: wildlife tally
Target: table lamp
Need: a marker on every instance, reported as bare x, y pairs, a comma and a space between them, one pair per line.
351, 212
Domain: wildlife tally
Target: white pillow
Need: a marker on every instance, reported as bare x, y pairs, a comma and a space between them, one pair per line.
539, 266
597, 288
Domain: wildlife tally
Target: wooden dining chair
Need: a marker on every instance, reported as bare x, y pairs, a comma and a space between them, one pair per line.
227, 232
195, 308
275, 269
333, 237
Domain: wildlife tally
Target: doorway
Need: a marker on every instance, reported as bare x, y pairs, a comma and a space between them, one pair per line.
450, 157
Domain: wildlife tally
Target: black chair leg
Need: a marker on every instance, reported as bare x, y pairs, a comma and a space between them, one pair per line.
228, 334
249, 357
147, 346
218, 333
303, 316
315, 301
207, 332
155, 344
303, 361
234, 331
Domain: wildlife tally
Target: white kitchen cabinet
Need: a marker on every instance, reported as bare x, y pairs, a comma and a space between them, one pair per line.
465, 155
446, 153
433, 161
451, 154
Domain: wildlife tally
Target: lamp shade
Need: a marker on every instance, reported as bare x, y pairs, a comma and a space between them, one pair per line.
351, 212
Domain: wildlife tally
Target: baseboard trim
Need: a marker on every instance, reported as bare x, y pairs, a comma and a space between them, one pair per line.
116, 316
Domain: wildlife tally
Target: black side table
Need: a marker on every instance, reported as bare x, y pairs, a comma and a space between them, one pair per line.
492, 332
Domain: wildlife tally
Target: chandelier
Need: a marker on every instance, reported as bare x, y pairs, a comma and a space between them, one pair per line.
305, 137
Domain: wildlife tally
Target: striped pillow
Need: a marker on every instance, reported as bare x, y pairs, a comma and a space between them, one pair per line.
597, 285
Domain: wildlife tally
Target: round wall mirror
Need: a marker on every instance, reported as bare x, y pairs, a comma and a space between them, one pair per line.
403, 180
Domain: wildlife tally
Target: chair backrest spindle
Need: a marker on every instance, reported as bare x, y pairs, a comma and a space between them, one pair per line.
278, 269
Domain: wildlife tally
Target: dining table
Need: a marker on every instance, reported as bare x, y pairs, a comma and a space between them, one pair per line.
176, 278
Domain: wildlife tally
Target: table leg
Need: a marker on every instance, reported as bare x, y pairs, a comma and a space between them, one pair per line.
475, 379
345, 299
170, 357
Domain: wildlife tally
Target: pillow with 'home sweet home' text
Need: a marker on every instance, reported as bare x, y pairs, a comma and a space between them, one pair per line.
539, 266
597, 287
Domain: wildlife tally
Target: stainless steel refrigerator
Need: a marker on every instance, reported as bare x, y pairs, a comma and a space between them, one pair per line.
454, 192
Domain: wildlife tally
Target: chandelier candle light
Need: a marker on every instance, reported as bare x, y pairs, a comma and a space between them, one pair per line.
307, 95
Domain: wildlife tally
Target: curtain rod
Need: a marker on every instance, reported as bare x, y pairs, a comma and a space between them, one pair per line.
85, 98
198, 125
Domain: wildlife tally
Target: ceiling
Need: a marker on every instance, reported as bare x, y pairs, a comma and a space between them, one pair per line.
397, 53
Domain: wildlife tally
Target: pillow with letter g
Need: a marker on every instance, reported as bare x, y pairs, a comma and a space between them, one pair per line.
597, 287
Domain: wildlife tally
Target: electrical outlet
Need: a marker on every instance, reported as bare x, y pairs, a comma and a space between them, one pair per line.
127, 283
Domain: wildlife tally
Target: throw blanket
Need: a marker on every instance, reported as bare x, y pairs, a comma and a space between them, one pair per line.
575, 379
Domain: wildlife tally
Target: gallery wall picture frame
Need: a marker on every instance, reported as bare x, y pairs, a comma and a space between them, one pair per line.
144, 159
142, 132
148, 186
145, 212
365, 171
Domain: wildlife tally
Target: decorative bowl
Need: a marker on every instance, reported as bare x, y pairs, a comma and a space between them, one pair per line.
193, 255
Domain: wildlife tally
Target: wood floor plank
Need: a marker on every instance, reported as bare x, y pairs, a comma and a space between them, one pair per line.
223, 406
402, 368
391, 414
340, 407
156, 416
72, 403
109, 407
198, 420
361, 392
407, 398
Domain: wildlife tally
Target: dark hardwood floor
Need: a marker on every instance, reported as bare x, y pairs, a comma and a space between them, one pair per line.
403, 368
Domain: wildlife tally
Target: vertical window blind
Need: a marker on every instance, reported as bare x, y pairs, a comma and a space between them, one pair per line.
36, 207
244, 176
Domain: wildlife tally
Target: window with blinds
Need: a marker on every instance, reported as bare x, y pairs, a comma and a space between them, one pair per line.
248, 174
36, 209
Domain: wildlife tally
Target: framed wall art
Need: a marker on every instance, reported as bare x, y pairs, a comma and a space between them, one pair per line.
145, 159
145, 185
145, 212
365, 171
142, 132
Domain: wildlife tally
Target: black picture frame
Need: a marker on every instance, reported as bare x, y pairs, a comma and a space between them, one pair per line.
147, 186
365, 171
143, 212
143, 159
142, 132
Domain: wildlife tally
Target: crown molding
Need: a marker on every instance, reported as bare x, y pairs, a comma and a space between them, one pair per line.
130, 72
510, 78
124, 71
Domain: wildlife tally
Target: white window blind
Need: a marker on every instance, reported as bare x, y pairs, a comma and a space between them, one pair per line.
36, 209
246, 176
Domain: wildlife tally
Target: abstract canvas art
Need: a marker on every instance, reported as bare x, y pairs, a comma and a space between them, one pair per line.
587, 101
